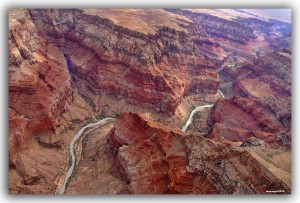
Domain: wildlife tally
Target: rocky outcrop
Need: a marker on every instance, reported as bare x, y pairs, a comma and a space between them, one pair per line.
39, 83
148, 70
36, 171
267, 77
94, 173
253, 142
54, 52
151, 159
65, 65
238, 119
17, 133
264, 109
42, 106
219, 36
158, 159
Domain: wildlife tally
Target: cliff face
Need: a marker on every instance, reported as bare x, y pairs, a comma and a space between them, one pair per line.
61, 59
264, 107
67, 66
239, 38
39, 83
269, 79
158, 159
148, 70
238, 119
42, 106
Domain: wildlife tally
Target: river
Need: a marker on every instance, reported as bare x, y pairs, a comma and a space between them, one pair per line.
71, 147
105, 120
198, 108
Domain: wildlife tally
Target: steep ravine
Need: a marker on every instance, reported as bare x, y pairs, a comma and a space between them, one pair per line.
67, 66
151, 71
70, 67
82, 133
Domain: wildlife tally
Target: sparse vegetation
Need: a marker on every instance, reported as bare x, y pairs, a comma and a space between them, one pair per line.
102, 115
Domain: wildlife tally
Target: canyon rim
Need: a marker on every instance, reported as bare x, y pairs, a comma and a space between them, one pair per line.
149, 101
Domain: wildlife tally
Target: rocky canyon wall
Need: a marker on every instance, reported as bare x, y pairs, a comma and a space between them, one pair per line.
39, 83
148, 70
158, 159
262, 103
60, 59
68, 67
235, 38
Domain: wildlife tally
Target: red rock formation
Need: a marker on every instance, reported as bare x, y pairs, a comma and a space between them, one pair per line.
268, 79
17, 132
42, 105
265, 85
156, 159
234, 134
273, 68
238, 119
39, 83
244, 38
50, 48
148, 70
151, 159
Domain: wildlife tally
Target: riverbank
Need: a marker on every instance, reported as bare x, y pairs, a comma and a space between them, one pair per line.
190, 119
80, 133
198, 109
94, 173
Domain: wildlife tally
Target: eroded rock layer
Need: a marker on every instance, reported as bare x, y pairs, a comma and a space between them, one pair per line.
262, 106
231, 39
69, 66
149, 70
269, 80
158, 159
42, 106
39, 82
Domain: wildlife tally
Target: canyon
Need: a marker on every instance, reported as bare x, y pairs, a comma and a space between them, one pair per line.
156, 160
201, 102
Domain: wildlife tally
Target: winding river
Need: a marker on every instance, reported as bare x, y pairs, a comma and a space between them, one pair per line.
198, 108
71, 147
104, 121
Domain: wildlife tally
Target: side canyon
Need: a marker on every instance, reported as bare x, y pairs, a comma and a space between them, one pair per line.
200, 100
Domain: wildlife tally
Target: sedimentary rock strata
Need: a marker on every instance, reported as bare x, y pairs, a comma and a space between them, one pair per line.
235, 36
262, 106
157, 161
149, 70
238, 119
39, 83
69, 67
